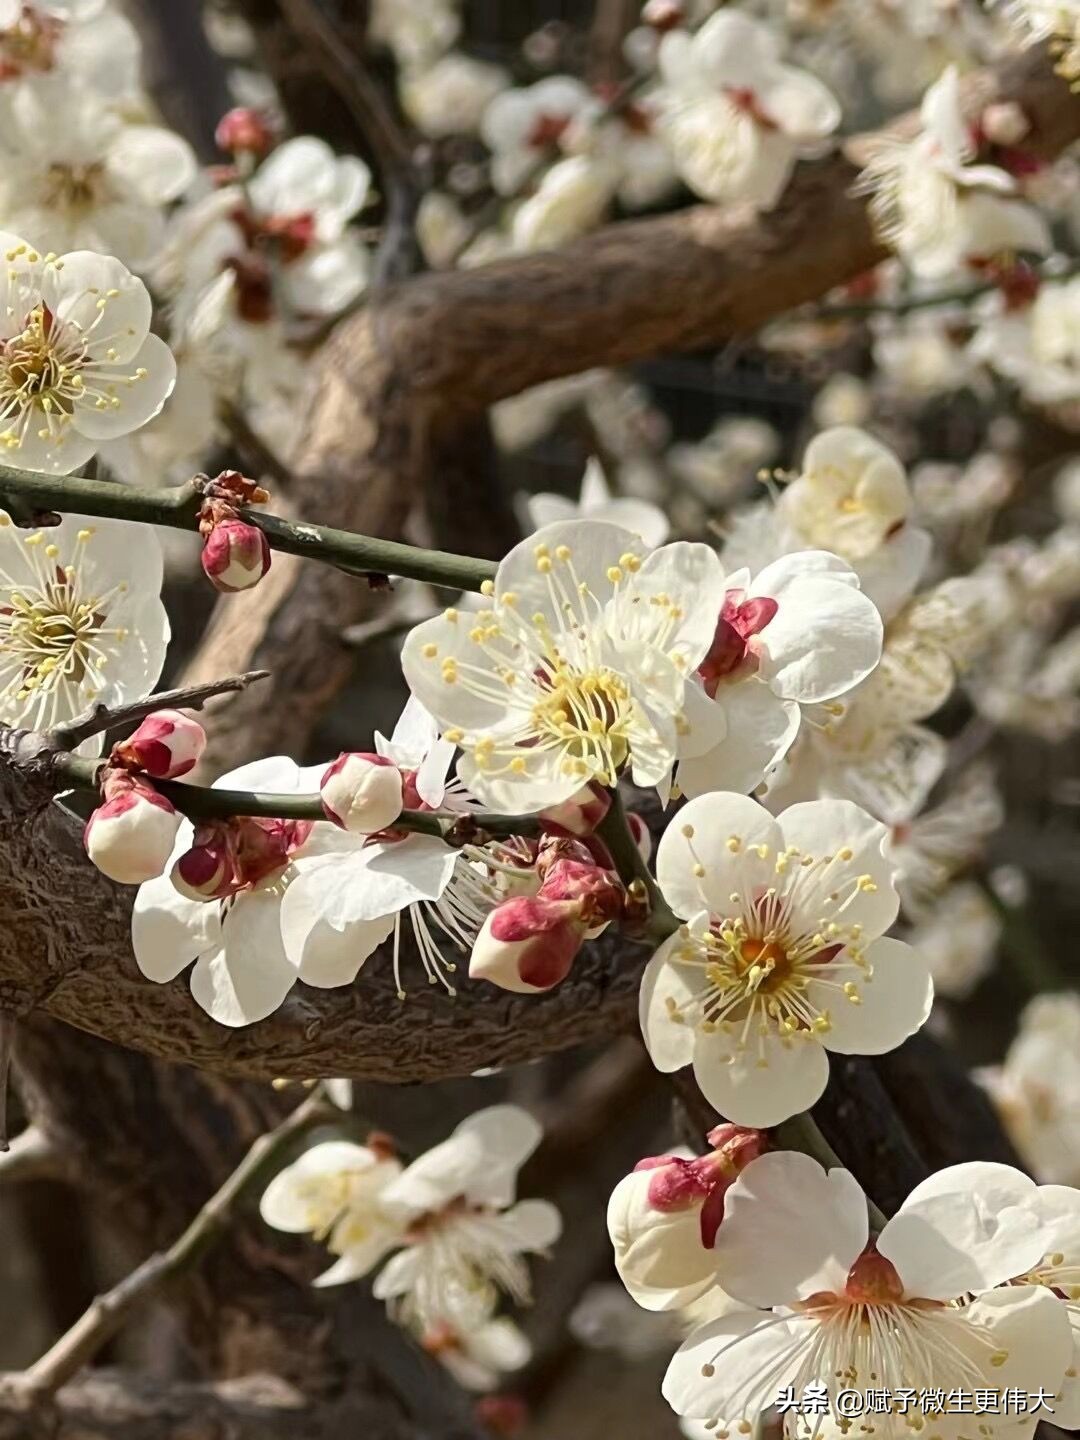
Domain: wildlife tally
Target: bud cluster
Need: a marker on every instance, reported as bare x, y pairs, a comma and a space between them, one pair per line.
227, 856
131, 835
235, 553
529, 942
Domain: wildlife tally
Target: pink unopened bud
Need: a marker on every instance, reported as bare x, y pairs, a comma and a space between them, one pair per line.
527, 944
235, 556
597, 893
502, 1416
1004, 123
262, 847
166, 745
663, 15
581, 814
362, 793
131, 836
208, 870
244, 131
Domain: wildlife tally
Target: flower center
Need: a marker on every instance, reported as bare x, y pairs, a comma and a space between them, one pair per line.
73, 187
587, 715
29, 44
50, 632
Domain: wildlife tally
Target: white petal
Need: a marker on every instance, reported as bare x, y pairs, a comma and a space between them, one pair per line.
761, 728
765, 1085
825, 637
948, 1243
169, 931
732, 1368
893, 1003
248, 977
723, 828
531, 1226
821, 828
284, 1203
669, 1043
140, 399
799, 103
401, 873
790, 1230
152, 164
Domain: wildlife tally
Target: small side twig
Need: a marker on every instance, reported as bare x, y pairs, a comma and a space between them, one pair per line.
108, 1312
251, 447
188, 697
7, 1047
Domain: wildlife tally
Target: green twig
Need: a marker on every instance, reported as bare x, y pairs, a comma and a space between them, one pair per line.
23, 491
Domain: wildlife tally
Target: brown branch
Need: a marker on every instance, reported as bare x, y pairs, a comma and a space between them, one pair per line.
189, 697
115, 1405
611, 23
109, 1312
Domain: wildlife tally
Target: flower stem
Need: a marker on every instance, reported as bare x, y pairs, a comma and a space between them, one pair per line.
24, 492
633, 871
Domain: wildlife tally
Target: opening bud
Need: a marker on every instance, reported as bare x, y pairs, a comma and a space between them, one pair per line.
235, 556
528, 944
244, 131
166, 745
362, 793
1004, 123
663, 15
208, 870
581, 814
131, 836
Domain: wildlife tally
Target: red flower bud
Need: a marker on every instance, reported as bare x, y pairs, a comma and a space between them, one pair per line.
166, 745
235, 556
528, 944
244, 130
130, 837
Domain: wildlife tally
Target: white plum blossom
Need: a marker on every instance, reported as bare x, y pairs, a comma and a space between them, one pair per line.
937, 209
343, 901
282, 240
958, 937
851, 498
596, 502
1036, 346
417, 31
1037, 1087
450, 96
87, 40
480, 1357
242, 969
81, 619
78, 174
734, 116
570, 200
800, 632
779, 959
926, 1304
523, 128
333, 1193
1056, 21
626, 141
78, 364
451, 1217
578, 670
933, 846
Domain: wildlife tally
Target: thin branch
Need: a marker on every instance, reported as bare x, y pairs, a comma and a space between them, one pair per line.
7, 1046
31, 1156
108, 1312
189, 697
201, 802
360, 555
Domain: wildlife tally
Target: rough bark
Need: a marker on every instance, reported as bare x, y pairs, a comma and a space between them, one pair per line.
120, 1406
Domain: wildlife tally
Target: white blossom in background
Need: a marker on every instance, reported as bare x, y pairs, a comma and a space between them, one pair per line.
798, 633
88, 40
342, 902
579, 668
596, 502
1056, 21
242, 971
851, 498
779, 959
523, 128
450, 96
625, 141
1036, 346
719, 467
570, 200
79, 174
460, 1238
958, 938
937, 209
284, 239
333, 1192
734, 116
81, 619
78, 364
416, 31
926, 1304
935, 845
1037, 1087
480, 1357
